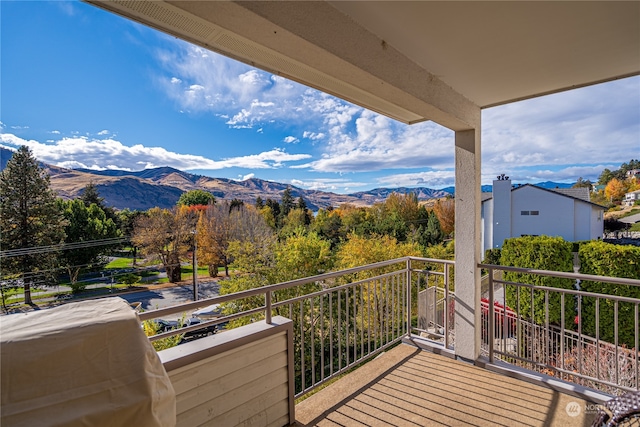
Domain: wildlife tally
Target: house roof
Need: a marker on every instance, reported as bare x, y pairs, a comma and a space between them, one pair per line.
488, 196
414, 60
579, 192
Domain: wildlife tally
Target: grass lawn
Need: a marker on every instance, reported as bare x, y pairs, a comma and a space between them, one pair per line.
119, 263
202, 271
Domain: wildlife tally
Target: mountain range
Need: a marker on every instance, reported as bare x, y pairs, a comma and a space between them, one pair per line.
163, 186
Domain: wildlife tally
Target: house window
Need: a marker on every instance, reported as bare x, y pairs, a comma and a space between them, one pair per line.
535, 212
524, 212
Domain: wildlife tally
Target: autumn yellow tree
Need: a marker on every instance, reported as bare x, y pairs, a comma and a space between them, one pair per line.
361, 250
445, 210
615, 190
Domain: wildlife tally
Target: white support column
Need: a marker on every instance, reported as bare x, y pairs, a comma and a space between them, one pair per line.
468, 242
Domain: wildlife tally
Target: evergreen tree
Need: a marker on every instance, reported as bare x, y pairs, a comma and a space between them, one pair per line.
90, 195
29, 220
302, 204
236, 204
286, 204
259, 203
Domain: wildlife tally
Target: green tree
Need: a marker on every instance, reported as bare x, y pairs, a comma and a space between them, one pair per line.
583, 183
431, 233
259, 203
286, 204
196, 197
605, 176
294, 222
328, 225
90, 195
84, 224
30, 220
126, 222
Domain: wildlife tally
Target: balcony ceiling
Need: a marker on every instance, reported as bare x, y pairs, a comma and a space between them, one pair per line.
414, 60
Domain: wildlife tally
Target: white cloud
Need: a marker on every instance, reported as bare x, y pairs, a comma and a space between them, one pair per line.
378, 143
585, 126
83, 152
248, 176
314, 136
431, 179
55, 132
291, 139
553, 136
103, 132
328, 184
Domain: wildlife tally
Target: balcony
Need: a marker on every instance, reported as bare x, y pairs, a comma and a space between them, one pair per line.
284, 342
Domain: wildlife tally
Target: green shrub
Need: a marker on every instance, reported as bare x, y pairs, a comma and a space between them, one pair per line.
128, 279
605, 259
540, 253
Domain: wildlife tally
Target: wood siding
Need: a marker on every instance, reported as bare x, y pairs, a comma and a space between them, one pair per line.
247, 385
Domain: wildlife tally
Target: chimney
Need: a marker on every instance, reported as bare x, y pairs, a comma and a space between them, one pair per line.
501, 210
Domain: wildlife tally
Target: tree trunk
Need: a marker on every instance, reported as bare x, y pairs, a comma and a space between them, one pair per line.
174, 272
27, 293
213, 270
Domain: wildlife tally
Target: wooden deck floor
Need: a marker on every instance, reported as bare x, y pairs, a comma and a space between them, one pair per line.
410, 387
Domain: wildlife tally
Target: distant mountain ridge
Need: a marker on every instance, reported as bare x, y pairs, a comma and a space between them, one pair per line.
163, 186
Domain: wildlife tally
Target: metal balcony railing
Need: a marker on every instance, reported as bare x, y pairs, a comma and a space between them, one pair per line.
584, 337
341, 319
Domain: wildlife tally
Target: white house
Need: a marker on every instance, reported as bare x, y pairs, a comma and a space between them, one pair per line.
631, 198
529, 210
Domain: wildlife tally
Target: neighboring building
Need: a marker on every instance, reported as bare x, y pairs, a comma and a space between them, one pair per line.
529, 210
631, 198
633, 173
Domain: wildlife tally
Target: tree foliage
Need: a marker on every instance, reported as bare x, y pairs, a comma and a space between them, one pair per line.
363, 250
541, 253
196, 197
29, 219
162, 233
84, 224
605, 259
445, 209
615, 190
580, 183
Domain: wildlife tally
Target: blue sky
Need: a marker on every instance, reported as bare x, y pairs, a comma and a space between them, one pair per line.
85, 88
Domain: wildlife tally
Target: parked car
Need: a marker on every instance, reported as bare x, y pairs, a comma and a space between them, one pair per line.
199, 333
166, 325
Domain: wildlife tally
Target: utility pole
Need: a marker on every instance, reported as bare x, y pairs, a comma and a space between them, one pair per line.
195, 267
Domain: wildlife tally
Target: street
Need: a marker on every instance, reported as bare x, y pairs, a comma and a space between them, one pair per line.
170, 296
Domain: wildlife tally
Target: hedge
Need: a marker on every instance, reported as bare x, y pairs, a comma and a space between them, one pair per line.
540, 253
605, 259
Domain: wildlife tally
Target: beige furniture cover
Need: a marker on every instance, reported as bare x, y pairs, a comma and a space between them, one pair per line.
82, 364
